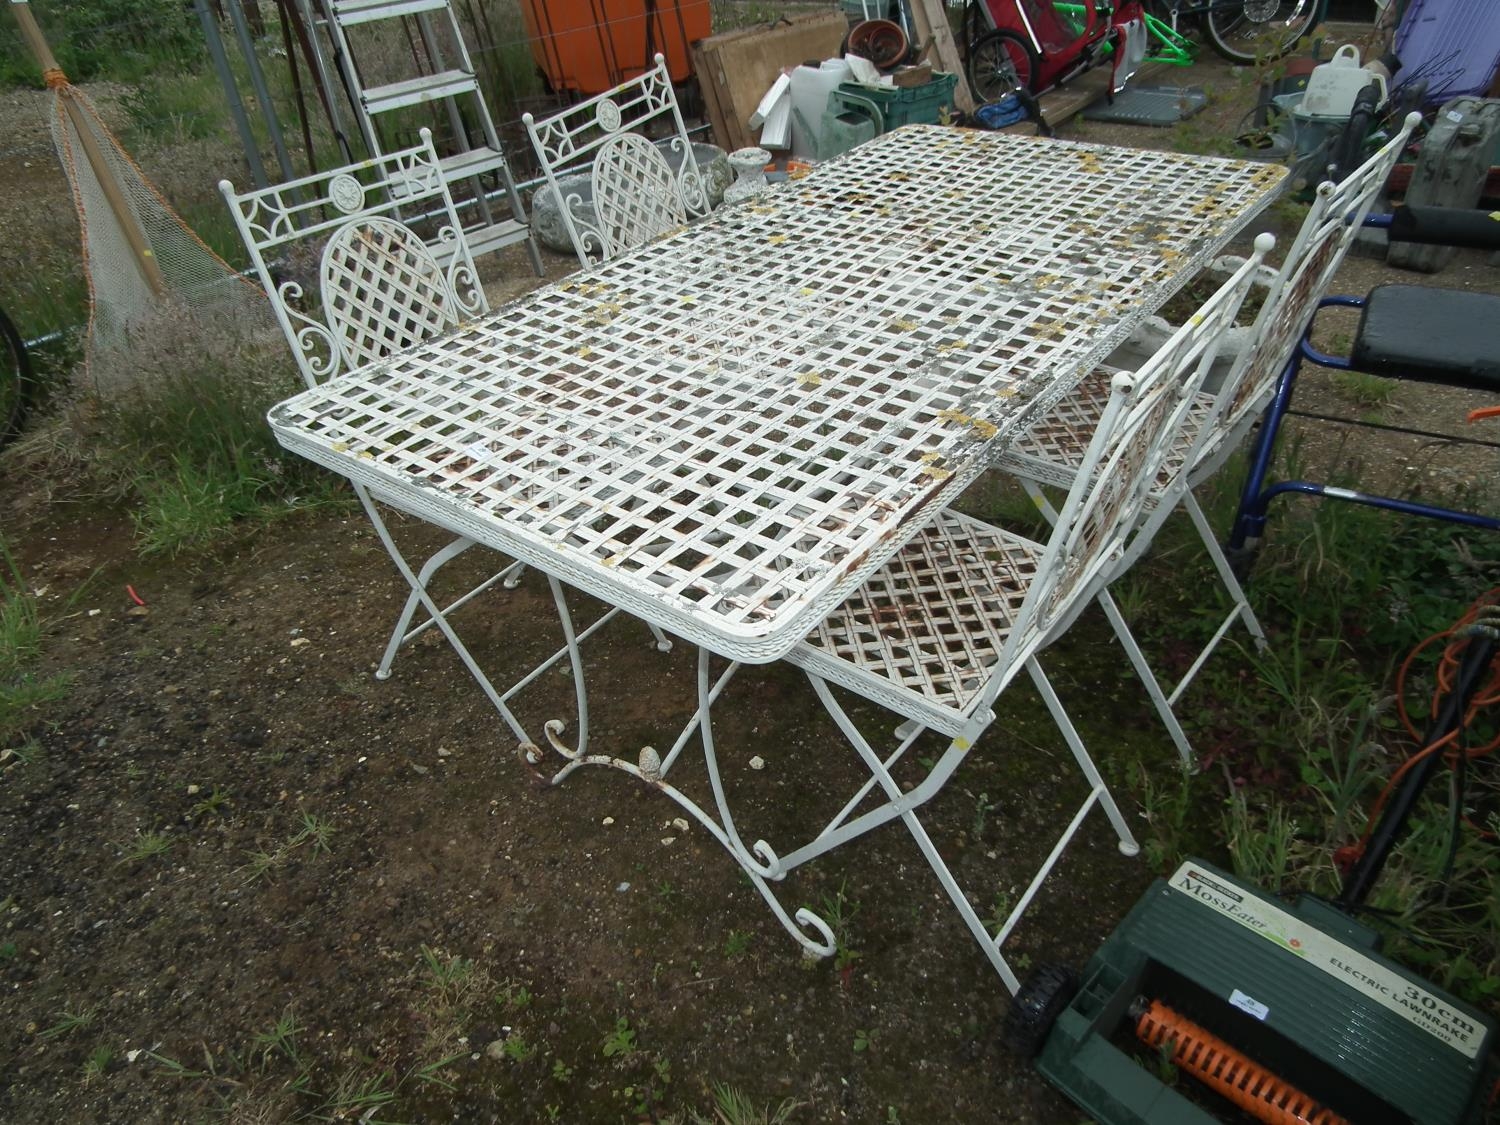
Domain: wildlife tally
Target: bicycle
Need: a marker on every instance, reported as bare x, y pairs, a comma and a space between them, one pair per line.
15, 379
1038, 44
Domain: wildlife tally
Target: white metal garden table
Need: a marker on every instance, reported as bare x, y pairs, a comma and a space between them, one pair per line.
727, 431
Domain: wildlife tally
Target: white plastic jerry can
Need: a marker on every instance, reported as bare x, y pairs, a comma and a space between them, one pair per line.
811, 86
1333, 86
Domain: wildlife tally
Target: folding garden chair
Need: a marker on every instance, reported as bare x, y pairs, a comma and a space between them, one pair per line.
1217, 424
636, 195
939, 632
380, 289
1413, 332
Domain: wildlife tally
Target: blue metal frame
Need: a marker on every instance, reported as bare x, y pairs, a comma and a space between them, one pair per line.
1255, 498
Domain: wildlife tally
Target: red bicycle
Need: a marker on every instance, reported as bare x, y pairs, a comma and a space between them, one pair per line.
1038, 44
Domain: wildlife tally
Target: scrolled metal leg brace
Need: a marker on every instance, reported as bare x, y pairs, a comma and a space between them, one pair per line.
759, 861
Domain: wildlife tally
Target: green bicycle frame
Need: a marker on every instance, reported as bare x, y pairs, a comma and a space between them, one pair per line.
1164, 43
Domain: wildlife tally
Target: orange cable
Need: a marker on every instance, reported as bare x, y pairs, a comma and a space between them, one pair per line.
1444, 675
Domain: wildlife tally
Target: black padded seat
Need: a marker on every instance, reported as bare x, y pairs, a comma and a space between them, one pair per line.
1448, 336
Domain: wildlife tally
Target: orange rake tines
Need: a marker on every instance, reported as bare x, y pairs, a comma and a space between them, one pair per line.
1226, 1071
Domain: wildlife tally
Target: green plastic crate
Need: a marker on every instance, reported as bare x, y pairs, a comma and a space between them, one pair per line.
895, 106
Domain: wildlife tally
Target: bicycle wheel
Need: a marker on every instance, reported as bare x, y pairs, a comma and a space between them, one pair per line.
15, 379
1248, 31
1000, 63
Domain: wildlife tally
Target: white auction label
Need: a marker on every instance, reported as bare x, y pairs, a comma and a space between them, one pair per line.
1360, 972
1249, 1004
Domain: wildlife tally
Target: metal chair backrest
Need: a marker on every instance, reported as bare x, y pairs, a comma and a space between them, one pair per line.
1326, 234
1205, 332
635, 193
568, 142
380, 287
1105, 510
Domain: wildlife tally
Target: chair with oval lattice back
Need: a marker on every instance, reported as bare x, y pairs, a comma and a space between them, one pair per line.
644, 194
635, 193
381, 289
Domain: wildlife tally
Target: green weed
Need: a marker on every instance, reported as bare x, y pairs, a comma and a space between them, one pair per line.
210, 804
147, 845
513, 996
620, 1042
315, 831
280, 1039
517, 1048
357, 1096
983, 806
1370, 392
96, 1066
1260, 841
67, 1023
448, 975
22, 695
732, 1107
22, 754
1166, 807
838, 910
999, 912
432, 1073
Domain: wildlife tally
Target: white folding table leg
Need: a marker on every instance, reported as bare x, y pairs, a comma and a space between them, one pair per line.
1225, 571
425, 599
898, 805
902, 804
400, 636
509, 577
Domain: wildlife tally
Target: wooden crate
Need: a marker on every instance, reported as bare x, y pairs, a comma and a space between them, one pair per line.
736, 68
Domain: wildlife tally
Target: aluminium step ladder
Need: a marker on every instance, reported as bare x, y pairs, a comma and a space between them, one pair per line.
453, 81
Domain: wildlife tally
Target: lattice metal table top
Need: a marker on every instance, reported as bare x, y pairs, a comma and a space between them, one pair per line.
727, 430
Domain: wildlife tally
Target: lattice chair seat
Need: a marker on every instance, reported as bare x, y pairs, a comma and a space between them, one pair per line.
1050, 451
926, 630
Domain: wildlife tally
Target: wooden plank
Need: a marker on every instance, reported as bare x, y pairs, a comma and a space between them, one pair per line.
737, 67
930, 22
704, 65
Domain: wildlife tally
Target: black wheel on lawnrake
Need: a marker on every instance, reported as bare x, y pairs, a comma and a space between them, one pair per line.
1044, 994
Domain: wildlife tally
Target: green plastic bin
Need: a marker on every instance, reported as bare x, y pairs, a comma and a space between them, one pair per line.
895, 106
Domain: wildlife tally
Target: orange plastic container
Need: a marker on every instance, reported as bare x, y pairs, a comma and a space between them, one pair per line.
590, 45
